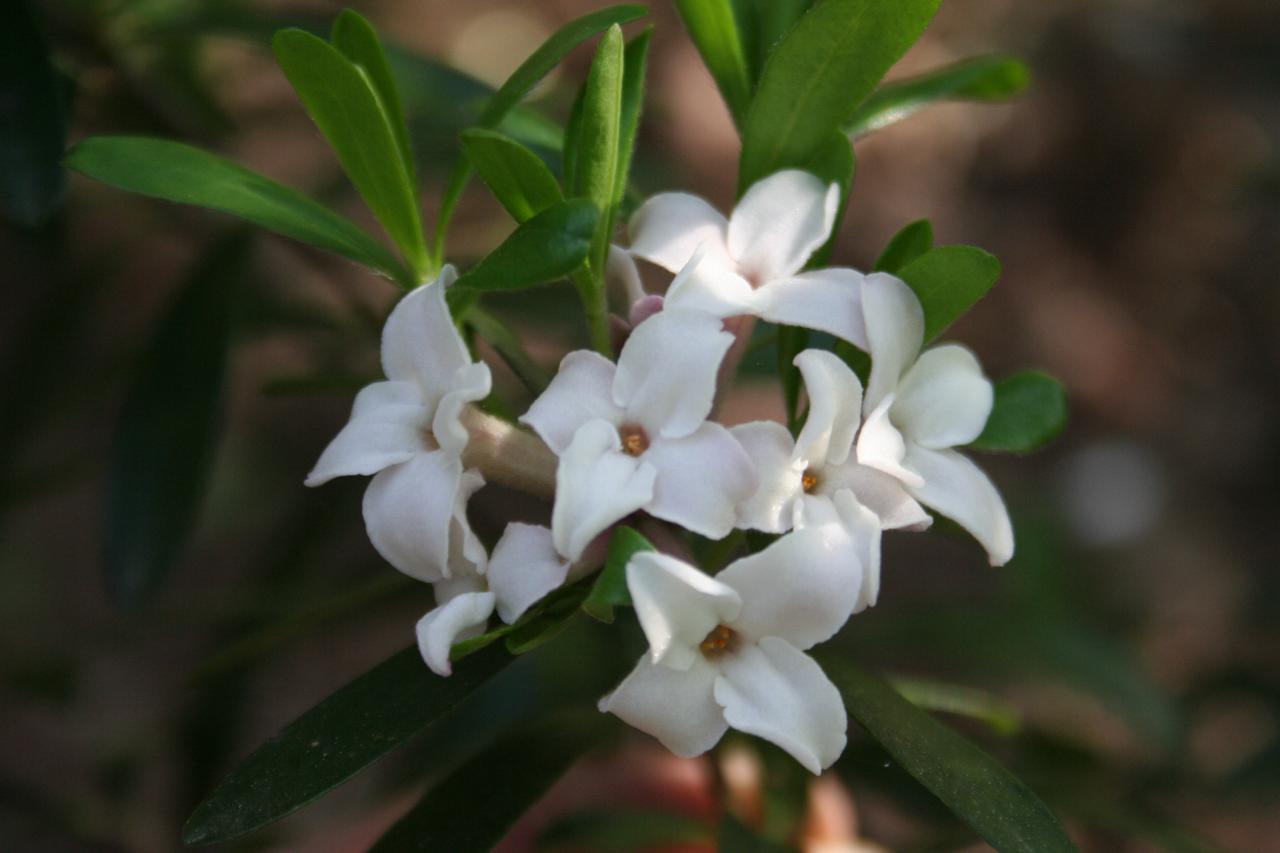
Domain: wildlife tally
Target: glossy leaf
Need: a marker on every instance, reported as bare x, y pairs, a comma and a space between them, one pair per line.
356, 38
635, 64
714, 29
549, 246
168, 430
907, 245
976, 788
471, 809
518, 177
1030, 410
336, 739
989, 78
596, 139
342, 101
817, 76
949, 280
176, 172
32, 123
610, 587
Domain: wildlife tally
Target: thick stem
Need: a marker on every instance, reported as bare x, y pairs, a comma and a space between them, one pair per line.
508, 455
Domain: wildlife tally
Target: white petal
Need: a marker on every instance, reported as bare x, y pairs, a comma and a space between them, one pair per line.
580, 392
882, 447
669, 228
835, 408
895, 333
864, 529
770, 446
448, 623
620, 266
675, 706
958, 489
944, 400
666, 378
524, 567
677, 605
701, 480
469, 384
408, 510
716, 290
388, 425
420, 343
466, 552
779, 222
881, 493
774, 691
829, 300
801, 588
596, 485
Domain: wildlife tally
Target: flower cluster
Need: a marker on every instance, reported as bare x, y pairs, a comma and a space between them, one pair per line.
637, 436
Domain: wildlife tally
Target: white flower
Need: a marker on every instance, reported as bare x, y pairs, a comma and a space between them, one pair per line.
407, 433
635, 436
729, 650
752, 260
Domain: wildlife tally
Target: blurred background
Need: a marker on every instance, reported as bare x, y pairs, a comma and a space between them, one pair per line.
1126, 664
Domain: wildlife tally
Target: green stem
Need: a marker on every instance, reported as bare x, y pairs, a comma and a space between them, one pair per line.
594, 305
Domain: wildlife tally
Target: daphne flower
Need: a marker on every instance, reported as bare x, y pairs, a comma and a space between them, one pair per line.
752, 260
635, 436
407, 432
729, 651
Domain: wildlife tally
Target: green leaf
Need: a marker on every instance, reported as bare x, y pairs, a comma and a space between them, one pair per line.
33, 126
610, 589
734, 836
168, 429
471, 809
596, 141
762, 24
634, 61
545, 623
336, 739
714, 30
518, 177
547, 247
507, 344
599, 831
1030, 410
988, 78
948, 281
356, 38
341, 99
816, 77
833, 162
176, 172
963, 701
986, 796
907, 245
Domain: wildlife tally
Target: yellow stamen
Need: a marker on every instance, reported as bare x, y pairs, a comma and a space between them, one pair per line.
634, 440
721, 640
809, 480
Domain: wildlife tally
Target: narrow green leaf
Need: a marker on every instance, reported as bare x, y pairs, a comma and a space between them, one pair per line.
358, 41
547, 247
610, 589
507, 344
634, 61
1030, 410
32, 122
518, 177
948, 281
471, 809
596, 143
816, 77
599, 831
176, 172
336, 739
988, 78
761, 25
963, 701
907, 245
714, 29
986, 796
551, 617
168, 429
341, 99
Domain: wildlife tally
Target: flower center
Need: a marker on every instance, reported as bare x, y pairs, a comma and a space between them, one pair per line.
720, 641
809, 480
634, 439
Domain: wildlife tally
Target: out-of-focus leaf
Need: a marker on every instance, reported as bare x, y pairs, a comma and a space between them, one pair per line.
635, 62
971, 783
518, 177
948, 281
176, 172
471, 809
336, 739
32, 123
817, 76
507, 344
356, 38
734, 836
342, 101
545, 623
595, 143
622, 831
988, 78
1030, 410
714, 29
957, 699
761, 25
610, 588
549, 246
168, 429
907, 245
